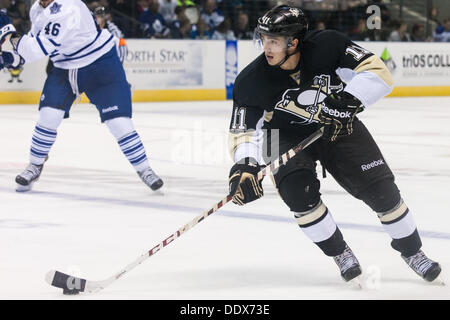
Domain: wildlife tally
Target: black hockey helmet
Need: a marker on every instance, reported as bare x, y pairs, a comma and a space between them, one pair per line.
283, 20
100, 11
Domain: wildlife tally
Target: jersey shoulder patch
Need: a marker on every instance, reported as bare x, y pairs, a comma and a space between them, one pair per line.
55, 8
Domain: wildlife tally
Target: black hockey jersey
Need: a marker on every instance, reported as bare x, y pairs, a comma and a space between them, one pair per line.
270, 97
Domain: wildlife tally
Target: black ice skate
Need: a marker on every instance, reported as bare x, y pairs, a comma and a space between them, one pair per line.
151, 179
348, 264
26, 179
426, 268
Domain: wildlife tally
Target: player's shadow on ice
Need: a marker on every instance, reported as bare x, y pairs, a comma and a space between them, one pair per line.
266, 278
238, 277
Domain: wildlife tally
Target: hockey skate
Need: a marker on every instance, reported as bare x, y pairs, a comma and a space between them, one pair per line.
151, 179
426, 268
26, 179
348, 264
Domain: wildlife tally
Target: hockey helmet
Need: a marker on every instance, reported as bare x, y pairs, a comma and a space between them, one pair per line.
283, 20
100, 11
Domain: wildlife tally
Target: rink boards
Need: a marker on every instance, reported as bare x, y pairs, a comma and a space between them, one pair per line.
183, 70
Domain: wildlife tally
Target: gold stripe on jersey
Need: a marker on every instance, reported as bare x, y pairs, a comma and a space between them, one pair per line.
314, 214
235, 139
376, 65
394, 213
268, 116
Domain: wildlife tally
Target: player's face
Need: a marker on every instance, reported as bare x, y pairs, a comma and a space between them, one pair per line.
45, 3
274, 48
100, 21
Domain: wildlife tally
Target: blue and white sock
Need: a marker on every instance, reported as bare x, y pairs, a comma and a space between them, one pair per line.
131, 145
41, 143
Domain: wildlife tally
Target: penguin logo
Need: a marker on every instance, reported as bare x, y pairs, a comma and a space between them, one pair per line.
305, 103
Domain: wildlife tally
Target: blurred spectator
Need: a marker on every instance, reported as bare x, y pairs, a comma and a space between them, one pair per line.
344, 17
418, 32
320, 25
211, 15
223, 31
242, 30
443, 36
5, 4
399, 34
200, 30
142, 5
19, 16
231, 9
360, 33
167, 9
153, 22
181, 27
433, 16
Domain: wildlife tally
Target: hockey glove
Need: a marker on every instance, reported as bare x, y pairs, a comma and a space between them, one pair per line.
243, 181
337, 115
10, 60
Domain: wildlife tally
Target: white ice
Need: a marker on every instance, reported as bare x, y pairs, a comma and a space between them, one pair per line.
90, 215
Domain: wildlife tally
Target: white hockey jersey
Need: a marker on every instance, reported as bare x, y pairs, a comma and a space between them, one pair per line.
65, 31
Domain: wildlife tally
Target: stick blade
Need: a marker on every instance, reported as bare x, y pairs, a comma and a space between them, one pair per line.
69, 284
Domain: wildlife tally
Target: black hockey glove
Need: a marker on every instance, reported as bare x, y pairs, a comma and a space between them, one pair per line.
337, 115
243, 181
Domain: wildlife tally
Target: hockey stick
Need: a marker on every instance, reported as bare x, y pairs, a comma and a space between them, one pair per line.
74, 285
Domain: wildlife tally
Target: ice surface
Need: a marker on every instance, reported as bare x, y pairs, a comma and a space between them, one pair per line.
90, 215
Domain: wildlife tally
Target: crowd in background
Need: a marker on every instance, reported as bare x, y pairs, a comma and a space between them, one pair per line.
236, 19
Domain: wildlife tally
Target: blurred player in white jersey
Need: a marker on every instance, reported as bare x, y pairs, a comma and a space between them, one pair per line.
104, 22
85, 60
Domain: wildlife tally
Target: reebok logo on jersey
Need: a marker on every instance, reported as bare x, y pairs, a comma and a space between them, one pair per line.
336, 113
371, 165
113, 108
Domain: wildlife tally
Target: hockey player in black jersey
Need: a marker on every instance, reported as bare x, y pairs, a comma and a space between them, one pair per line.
302, 81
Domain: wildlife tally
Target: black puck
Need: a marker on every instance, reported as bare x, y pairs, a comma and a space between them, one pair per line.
70, 291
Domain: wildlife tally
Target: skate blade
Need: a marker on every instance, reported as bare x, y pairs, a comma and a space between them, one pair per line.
158, 192
439, 281
21, 188
355, 283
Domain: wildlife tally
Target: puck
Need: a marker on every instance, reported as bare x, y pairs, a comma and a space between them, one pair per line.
70, 291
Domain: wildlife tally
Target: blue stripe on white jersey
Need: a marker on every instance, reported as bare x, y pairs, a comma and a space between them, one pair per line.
86, 54
41, 45
84, 48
